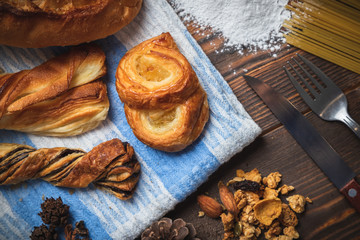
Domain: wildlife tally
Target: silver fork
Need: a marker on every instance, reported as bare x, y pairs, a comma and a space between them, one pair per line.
328, 101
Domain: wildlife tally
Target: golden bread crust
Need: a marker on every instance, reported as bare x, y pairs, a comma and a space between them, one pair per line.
164, 103
43, 23
61, 97
111, 165
151, 58
175, 132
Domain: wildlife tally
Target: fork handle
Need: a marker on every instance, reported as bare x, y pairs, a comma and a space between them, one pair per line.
354, 126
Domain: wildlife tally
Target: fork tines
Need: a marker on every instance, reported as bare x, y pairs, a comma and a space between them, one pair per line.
325, 99
315, 89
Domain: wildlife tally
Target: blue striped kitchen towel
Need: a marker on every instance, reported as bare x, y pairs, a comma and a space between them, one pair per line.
166, 178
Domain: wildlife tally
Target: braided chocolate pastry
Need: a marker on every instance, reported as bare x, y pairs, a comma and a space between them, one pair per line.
164, 103
61, 97
111, 165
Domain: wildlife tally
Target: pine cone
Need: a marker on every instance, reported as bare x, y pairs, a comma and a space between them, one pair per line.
44, 233
80, 232
54, 212
166, 229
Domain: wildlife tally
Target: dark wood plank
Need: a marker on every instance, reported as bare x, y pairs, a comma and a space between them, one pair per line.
261, 64
330, 216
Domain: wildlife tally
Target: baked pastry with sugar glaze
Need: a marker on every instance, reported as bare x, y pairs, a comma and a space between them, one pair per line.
43, 23
164, 103
154, 74
61, 97
111, 165
170, 129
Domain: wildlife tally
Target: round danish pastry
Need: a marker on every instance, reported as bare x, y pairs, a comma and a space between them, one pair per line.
154, 74
170, 129
164, 103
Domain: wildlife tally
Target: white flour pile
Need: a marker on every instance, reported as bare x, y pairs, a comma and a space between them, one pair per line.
252, 23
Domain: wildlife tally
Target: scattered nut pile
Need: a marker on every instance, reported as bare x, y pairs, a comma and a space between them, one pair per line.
255, 207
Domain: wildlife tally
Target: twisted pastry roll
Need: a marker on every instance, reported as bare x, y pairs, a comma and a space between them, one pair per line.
164, 103
111, 165
57, 98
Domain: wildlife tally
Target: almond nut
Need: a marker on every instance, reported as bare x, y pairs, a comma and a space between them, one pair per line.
209, 206
227, 198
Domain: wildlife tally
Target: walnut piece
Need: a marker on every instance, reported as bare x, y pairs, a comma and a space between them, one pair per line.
287, 217
251, 197
234, 180
291, 232
273, 231
248, 231
285, 189
248, 215
297, 203
240, 173
240, 199
228, 235
272, 179
283, 237
228, 221
257, 231
270, 193
253, 175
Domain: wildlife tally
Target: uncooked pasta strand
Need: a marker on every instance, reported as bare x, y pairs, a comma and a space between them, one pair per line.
323, 52
327, 28
344, 22
336, 8
337, 42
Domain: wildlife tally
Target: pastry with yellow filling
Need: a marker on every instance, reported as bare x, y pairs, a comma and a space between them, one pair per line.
164, 103
154, 74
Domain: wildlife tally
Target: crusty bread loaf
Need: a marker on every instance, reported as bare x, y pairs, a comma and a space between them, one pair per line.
42, 23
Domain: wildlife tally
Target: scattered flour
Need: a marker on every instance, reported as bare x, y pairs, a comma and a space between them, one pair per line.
254, 24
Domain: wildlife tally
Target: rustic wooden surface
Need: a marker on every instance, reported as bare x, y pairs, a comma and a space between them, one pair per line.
329, 216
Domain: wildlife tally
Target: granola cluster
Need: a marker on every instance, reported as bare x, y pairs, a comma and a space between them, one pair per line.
254, 207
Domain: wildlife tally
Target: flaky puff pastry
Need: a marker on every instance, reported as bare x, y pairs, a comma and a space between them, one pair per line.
61, 97
164, 103
111, 165
170, 129
154, 74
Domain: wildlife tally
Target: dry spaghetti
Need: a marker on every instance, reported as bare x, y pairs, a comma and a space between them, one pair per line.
329, 29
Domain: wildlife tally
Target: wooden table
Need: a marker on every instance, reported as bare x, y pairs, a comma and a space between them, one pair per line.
329, 216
